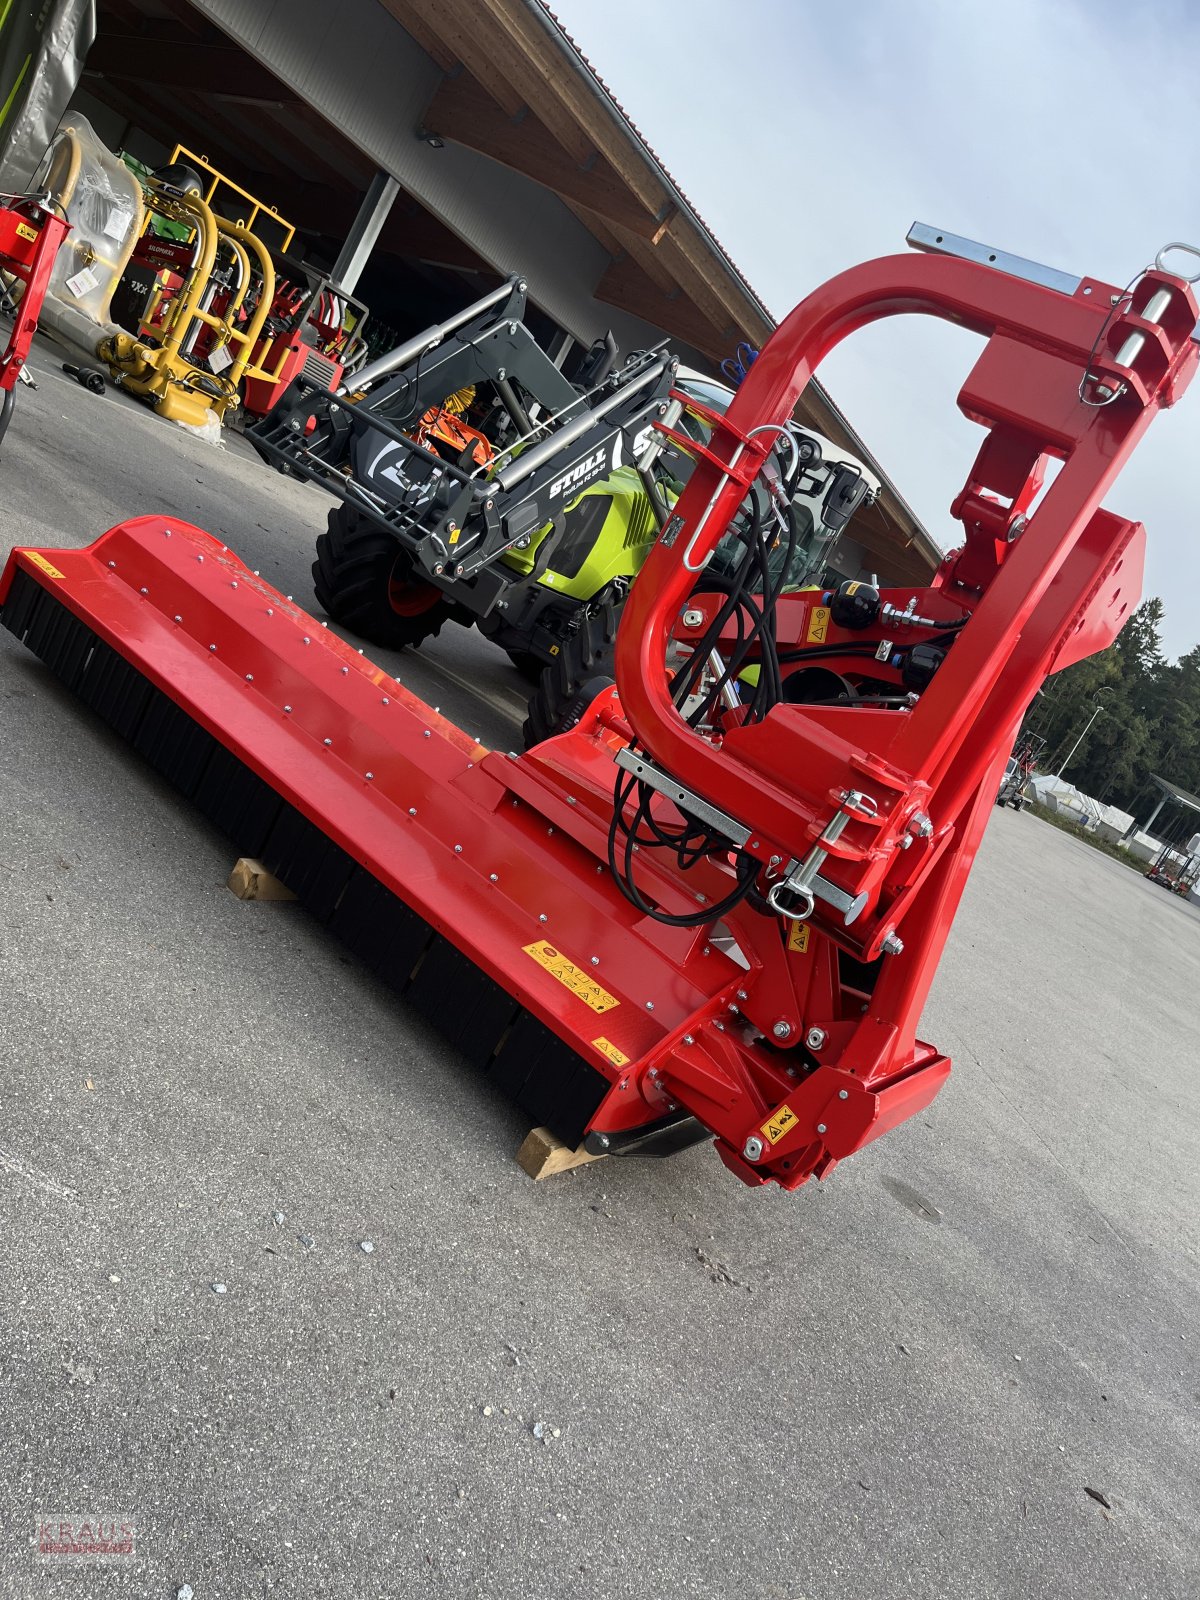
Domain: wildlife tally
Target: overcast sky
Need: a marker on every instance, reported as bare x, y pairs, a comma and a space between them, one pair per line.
810, 136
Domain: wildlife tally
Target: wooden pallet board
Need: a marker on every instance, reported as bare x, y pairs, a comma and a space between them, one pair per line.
544, 1156
250, 880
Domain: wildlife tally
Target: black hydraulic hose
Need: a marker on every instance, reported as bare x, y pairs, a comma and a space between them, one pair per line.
751, 597
624, 875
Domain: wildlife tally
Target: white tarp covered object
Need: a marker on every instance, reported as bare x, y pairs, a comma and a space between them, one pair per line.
1109, 822
1065, 799
1144, 846
42, 49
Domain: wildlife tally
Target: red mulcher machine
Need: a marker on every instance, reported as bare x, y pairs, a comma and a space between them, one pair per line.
695, 914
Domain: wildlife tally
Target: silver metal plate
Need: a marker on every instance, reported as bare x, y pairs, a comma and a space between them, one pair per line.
646, 772
851, 906
937, 242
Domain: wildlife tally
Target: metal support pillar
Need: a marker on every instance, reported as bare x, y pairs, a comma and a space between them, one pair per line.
1150, 820
365, 230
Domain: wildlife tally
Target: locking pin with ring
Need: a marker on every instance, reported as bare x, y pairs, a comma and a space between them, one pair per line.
1152, 312
794, 895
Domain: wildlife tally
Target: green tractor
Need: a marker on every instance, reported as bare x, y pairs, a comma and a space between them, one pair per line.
823, 486
477, 485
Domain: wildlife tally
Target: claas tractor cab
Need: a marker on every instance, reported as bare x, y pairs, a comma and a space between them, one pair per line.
780, 541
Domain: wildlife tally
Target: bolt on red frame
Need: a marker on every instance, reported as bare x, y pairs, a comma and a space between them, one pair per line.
478, 884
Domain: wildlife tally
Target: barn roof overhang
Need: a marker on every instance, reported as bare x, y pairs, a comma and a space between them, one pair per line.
513, 87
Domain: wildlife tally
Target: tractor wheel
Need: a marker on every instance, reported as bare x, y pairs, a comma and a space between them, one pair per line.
365, 582
527, 664
583, 667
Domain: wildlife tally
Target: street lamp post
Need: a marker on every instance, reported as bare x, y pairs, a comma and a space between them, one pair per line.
1107, 689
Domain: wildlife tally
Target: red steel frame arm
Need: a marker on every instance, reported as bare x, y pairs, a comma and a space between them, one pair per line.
1037, 336
1035, 597
30, 259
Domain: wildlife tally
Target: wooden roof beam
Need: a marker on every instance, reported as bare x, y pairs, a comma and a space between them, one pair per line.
667, 262
560, 82
459, 36
687, 244
426, 36
651, 264
500, 65
626, 287
558, 94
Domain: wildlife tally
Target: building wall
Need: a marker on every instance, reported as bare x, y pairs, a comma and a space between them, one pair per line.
112, 129
356, 65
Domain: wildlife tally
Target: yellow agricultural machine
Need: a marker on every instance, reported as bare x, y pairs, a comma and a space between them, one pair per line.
199, 333
212, 324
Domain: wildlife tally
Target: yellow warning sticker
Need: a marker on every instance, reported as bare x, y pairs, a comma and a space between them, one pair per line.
818, 625
583, 986
798, 937
47, 567
24, 231
853, 588
610, 1052
781, 1123
455, 532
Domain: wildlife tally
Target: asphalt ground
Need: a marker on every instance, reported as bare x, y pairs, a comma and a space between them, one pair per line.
641, 1379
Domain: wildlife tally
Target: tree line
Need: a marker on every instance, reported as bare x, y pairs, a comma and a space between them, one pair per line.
1149, 720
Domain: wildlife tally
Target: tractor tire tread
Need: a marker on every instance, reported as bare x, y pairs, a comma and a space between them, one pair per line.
351, 574
587, 655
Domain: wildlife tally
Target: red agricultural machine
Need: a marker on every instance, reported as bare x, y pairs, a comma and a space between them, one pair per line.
30, 234
313, 329
697, 914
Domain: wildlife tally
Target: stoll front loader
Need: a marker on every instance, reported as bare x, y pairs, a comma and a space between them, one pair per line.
477, 485
665, 925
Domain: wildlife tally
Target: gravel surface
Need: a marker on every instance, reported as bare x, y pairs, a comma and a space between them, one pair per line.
964, 1367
